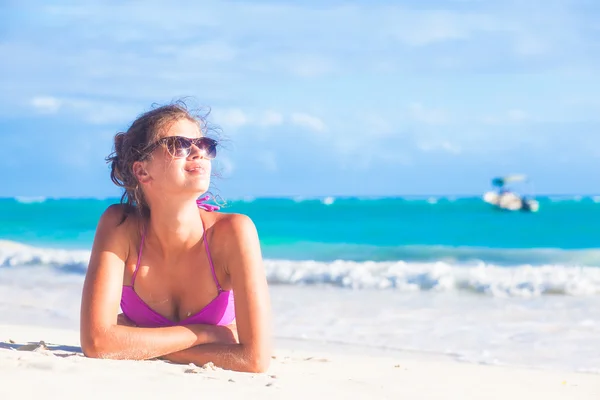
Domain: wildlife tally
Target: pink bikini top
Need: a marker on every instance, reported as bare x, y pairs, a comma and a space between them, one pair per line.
220, 311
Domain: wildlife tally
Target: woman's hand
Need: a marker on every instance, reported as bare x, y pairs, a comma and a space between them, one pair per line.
228, 334
216, 334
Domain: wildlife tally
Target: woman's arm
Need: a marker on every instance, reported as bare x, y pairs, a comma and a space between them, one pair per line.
101, 335
239, 250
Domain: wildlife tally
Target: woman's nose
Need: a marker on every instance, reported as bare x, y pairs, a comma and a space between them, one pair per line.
197, 152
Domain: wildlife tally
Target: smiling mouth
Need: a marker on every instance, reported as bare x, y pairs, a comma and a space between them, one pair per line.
196, 170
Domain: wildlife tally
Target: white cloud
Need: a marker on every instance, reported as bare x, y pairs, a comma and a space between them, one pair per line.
378, 126
439, 146
235, 118
421, 28
100, 112
512, 116
270, 118
308, 121
428, 116
309, 66
92, 111
212, 52
530, 45
396, 158
361, 155
230, 118
105, 112
46, 104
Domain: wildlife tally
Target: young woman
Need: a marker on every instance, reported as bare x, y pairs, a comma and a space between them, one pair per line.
171, 263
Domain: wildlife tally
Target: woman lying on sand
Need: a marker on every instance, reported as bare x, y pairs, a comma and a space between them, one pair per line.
169, 261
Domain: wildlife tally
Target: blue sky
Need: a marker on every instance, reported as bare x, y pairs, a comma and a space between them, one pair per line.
314, 98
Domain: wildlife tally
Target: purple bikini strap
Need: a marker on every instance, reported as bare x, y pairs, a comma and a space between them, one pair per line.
212, 266
207, 207
139, 257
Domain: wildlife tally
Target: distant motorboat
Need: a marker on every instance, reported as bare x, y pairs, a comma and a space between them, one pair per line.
504, 198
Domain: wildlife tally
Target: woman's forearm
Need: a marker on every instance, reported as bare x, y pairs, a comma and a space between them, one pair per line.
133, 343
236, 357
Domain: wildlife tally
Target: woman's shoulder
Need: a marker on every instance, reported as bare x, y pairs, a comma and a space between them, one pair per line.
232, 226
115, 231
232, 221
234, 239
119, 217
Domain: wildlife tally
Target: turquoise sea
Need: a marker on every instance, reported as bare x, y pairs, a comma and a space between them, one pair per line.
436, 274
387, 229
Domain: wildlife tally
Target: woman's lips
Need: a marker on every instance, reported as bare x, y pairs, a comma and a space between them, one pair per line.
196, 170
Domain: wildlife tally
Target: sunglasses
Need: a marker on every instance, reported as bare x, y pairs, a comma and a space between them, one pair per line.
181, 147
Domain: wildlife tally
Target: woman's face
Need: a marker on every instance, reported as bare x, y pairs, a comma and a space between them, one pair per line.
167, 173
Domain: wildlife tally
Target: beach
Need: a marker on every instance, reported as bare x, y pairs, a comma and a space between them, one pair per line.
59, 370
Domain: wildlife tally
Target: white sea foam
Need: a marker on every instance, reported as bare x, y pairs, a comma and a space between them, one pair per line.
31, 199
328, 200
520, 281
482, 278
14, 254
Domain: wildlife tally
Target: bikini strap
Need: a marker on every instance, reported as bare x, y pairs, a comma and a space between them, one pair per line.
205, 206
212, 267
137, 265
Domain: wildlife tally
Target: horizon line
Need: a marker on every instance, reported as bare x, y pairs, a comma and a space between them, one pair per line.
335, 196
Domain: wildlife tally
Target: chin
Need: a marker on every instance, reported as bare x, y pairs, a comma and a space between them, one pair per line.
199, 187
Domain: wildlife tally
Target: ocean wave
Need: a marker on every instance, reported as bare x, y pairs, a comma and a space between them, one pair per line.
520, 281
328, 200
30, 200
13, 254
440, 276
433, 253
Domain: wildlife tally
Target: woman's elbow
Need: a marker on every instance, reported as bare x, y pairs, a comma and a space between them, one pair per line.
91, 349
261, 366
259, 362
95, 345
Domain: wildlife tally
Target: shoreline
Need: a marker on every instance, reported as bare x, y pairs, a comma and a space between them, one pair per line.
536, 333
298, 369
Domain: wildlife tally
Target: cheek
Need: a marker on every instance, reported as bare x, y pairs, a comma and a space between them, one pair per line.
166, 169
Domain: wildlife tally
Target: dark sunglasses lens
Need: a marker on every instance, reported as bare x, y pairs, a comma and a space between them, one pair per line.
208, 146
178, 146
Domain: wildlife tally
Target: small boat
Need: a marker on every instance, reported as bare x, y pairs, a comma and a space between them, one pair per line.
504, 198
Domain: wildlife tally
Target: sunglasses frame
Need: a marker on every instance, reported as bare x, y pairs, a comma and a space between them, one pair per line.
204, 143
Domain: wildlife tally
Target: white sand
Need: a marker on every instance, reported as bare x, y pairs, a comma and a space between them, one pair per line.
298, 371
